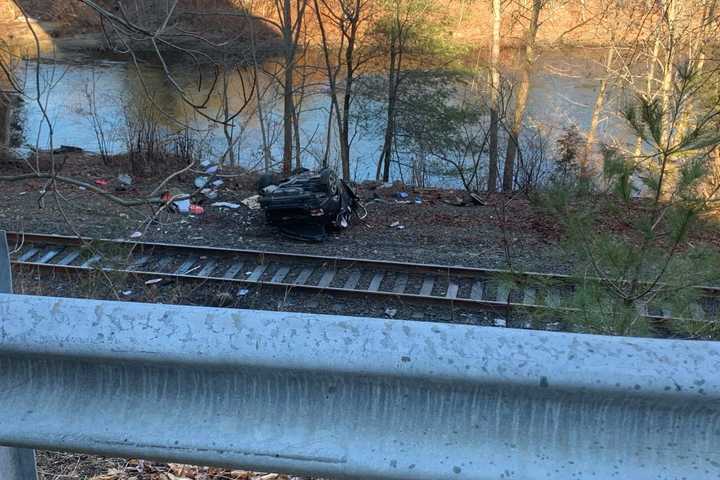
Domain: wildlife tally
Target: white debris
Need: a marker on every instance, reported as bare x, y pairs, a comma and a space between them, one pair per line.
154, 281
127, 293
270, 188
125, 179
136, 235
218, 183
500, 322
391, 312
231, 206
209, 193
201, 182
253, 203
183, 206
212, 169
242, 292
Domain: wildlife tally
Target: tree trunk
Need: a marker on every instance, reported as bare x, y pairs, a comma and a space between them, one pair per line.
667, 81
649, 80
494, 97
513, 144
383, 166
347, 96
586, 169
288, 87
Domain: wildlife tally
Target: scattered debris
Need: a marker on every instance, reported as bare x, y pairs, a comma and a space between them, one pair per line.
125, 180
243, 292
154, 281
223, 299
212, 169
397, 225
218, 183
209, 193
401, 195
127, 293
182, 206
477, 199
231, 206
136, 235
196, 209
418, 200
146, 470
201, 182
253, 203
102, 182
391, 312
500, 322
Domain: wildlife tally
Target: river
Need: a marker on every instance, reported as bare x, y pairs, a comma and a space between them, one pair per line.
101, 96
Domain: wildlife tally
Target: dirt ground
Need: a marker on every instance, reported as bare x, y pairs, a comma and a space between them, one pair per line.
78, 466
433, 231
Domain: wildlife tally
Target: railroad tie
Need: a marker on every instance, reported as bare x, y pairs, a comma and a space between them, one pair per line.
280, 275
376, 282
207, 269
400, 283
163, 263
327, 278
353, 280
257, 273
91, 261
186, 266
50, 254
476, 293
70, 258
427, 286
529, 296
552, 299
503, 292
452, 290
233, 270
304, 276
31, 252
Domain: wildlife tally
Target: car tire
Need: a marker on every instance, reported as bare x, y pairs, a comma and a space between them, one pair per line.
265, 180
328, 181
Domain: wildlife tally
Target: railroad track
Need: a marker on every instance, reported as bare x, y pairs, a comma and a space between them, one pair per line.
454, 286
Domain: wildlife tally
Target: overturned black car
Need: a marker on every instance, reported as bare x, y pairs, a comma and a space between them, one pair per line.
308, 203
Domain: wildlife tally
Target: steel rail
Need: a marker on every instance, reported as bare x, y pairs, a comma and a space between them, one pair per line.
346, 397
264, 257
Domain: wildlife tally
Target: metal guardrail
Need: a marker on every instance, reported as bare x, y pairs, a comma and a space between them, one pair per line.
15, 463
350, 397
353, 397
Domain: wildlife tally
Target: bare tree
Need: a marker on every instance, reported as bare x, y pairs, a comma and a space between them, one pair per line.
494, 95
522, 95
345, 17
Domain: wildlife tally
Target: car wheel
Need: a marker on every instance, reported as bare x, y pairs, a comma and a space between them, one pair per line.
329, 182
265, 180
